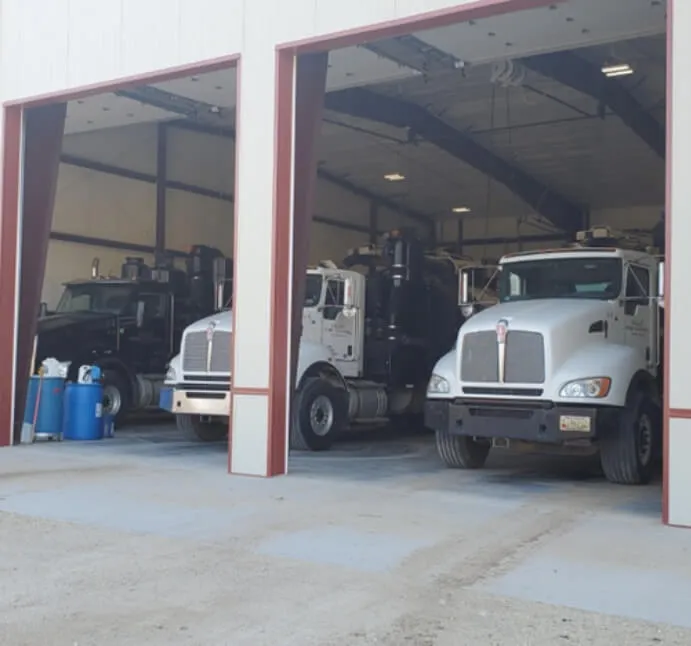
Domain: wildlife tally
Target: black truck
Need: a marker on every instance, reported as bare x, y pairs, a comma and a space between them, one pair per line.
131, 325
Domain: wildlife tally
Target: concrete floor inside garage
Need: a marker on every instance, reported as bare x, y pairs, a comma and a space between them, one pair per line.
145, 539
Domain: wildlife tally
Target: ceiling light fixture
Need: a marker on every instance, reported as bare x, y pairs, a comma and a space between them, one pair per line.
394, 177
617, 70
461, 209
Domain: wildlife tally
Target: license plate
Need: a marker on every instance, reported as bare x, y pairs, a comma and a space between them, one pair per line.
574, 424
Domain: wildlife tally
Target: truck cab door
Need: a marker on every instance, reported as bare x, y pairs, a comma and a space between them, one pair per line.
638, 311
340, 328
149, 345
312, 322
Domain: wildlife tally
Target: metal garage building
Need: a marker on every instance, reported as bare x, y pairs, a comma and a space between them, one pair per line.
63, 51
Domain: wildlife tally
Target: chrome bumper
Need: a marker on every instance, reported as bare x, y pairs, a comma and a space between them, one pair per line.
193, 401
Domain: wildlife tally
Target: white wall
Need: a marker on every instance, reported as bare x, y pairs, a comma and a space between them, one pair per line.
72, 43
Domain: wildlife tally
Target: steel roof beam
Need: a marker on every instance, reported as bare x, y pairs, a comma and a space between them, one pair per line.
364, 104
177, 104
205, 118
414, 53
579, 74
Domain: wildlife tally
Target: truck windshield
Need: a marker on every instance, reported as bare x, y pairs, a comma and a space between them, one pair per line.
97, 297
313, 290
596, 278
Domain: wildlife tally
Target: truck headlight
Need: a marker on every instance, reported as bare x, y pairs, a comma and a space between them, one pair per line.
171, 375
438, 385
593, 388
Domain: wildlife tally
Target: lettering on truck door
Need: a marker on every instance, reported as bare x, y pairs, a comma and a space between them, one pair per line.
637, 306
339, 329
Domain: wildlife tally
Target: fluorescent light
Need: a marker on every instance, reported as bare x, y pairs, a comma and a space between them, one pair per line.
622, 73
394, 177
461, 209
608, 69
617, 70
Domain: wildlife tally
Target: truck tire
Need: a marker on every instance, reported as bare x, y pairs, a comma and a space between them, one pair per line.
320, 413
628, 447
195, 429
461, 451
117, 399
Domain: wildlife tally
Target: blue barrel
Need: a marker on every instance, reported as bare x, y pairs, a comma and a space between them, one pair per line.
83, 418
50, 406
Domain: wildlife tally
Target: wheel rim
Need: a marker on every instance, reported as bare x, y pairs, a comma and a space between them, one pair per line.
112, 400
645, 439
321, 415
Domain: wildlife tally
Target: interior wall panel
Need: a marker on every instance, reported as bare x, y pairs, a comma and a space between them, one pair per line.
131, 147
332, 243
201, 159
101, 205
195, 219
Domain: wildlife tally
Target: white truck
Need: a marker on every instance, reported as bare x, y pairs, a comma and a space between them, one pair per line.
568, 360
369, 342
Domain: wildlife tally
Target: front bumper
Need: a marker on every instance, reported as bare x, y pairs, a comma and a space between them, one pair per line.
529, 421
195, 400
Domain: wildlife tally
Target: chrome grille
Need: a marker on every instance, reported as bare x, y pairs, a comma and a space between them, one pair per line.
195, 353
524, 361
525, 358
480, 357
220, 352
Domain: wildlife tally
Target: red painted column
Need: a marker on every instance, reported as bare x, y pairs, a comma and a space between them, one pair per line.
9, 227
310, 86
301, 92
43, 131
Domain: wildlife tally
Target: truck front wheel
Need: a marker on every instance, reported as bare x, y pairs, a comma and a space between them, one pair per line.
117, 401
320, 413
194, 427
461, 451
628, 448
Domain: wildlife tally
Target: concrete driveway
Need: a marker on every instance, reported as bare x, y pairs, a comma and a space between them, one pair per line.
144, 540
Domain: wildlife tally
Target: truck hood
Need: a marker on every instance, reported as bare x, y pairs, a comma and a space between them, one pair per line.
61, 335
222, 321
56, 323
564, 324
309, 352
542, 315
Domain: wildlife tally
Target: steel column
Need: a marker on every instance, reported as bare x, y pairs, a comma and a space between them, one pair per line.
161, 185
9, 228
310, 86
43, 131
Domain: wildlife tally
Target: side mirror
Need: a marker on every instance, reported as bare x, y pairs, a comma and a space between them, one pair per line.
43, 310
349, 294
463, 289
349, 298
661, 284
141, 306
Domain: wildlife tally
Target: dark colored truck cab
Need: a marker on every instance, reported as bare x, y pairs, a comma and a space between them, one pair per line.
131, 325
